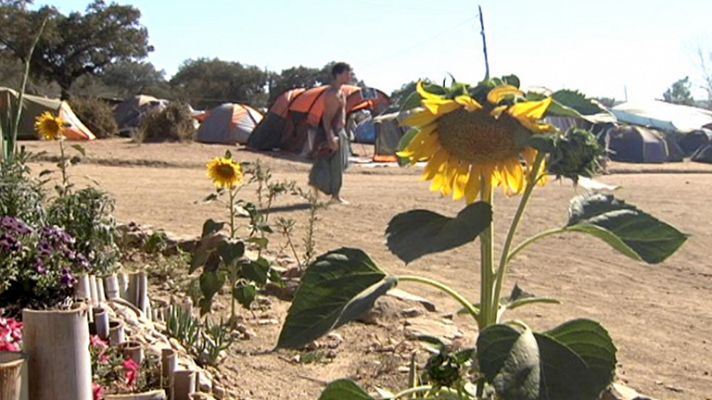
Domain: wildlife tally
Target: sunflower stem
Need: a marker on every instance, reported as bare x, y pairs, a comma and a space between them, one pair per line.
232, 213
63, 167
486, 259
471, 308
504, 259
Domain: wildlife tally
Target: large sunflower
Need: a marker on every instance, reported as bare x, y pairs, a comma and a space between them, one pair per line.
467, 146
49, 126
224, 172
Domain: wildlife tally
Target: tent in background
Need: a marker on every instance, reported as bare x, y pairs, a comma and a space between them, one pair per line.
298, 111
130, 113
388, 135
228, 124
662, 116
637, 145
365, 132
34, 106
695, 140
703, 155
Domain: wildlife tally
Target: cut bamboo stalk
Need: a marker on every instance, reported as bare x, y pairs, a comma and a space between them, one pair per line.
101, 322
111, 287
83, 289
132, 350
169, 364
57, 347
123, 280
11, 375
152, 395
183, 384
94, 295
116, 333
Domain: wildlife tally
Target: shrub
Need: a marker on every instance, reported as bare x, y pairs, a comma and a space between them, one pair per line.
96, 115
171, 124
21, 196
86, 215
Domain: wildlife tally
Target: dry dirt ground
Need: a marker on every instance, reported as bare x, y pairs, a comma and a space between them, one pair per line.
659, 316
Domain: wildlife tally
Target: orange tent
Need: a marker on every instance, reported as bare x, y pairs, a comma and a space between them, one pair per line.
297, 110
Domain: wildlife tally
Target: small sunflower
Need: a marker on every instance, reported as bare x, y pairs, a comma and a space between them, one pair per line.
224, 172
49, 126
467, 145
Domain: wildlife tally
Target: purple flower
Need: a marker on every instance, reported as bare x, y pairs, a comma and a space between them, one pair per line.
68, 280
40, 266
9, 244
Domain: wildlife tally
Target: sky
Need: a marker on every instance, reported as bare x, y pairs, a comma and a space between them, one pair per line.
624, 48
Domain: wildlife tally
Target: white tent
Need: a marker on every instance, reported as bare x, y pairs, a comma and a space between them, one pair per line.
663, 116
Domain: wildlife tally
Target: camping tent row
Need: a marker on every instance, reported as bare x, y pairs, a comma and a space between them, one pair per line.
291, 122
34, 106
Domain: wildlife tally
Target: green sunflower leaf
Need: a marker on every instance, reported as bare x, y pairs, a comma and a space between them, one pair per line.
344, 389
511, 80
577, 101
416, 233
337, 288
410, 102
403, 143
624, 227
577, 360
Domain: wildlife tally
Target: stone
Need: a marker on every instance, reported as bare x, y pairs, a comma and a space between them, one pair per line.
618, 391
421, 326
409, 297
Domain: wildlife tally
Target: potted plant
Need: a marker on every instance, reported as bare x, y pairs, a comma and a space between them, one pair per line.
11, 359
38, 269
116, 374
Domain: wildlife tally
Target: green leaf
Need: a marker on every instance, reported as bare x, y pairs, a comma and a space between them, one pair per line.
519, 298
416, 233
230, 250
211, 227
592, 343
75, 160
210, 284
344, 389
577, 101
511, 80
262, 243
337, 288
245, 293
574, 361
80, 149
624, 227
256, 271
204, 249
410, 102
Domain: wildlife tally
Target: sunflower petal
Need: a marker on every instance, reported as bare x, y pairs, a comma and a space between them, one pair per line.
513, 176
468, 102
419, 118
502, 92
473, 187
531, 109
424, 93
439, 106
459, 184
435, 164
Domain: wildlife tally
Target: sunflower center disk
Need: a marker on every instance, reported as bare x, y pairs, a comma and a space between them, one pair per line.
477, 136
225, 171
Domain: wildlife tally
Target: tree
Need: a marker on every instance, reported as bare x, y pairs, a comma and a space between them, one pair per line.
129, 78
76, 44
679, 93
291, 78
207, 83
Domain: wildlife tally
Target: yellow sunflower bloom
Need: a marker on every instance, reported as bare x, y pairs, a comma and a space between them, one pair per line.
225, 173
466, 146
49, 126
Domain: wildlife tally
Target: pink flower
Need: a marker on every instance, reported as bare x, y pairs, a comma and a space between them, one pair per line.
98, 343
10, 334
131, 369
98, 391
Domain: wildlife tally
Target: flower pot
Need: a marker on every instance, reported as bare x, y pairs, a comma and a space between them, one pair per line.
132, 350
151, 395
10, 375
116, 333
57, 346
183, 384
111, 287
101, 322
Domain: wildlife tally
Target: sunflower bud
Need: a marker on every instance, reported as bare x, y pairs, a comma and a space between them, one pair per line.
443, 370
576, 153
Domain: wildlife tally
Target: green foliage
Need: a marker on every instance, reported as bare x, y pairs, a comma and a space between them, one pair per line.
575, 153
131, 78
413, 234
206, 342
96, 115
336, 289
344, 389
576, 360
75, 44
21, 195
171, 124
679, 93
206, 83
87, 216
624, 227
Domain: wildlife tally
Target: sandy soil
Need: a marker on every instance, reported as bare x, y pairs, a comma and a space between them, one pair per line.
659, 316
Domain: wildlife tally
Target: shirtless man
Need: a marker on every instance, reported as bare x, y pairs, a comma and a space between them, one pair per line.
327, 172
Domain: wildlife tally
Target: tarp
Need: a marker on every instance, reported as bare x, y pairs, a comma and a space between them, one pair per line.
297, 112
663, 116
388, 135
228, 124
34, 106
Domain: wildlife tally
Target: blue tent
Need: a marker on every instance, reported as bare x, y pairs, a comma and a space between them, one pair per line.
365, 132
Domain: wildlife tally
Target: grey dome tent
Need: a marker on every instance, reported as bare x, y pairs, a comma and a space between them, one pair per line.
228, 124
695, 140
637, 145
703, 155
